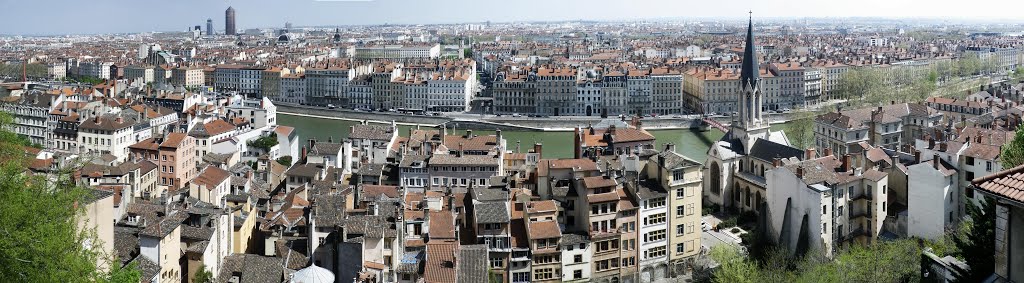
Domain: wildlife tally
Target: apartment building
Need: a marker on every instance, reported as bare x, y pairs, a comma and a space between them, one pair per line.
885, 126
556, 91
681, 177
187, 76
107, 134
143, 73
835, 200
666, 91
174, 153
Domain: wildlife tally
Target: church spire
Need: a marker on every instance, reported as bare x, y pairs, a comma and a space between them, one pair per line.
749, 74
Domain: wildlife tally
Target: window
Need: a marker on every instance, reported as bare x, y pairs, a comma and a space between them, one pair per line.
839, 211
824, 227
680, 248
679, 229
543, 274
824, 209
969, 160
680, 192
496, 263
658, 202
988, 166
680, 210
656, 235
577, 274
577, 258
655, 252
657, 218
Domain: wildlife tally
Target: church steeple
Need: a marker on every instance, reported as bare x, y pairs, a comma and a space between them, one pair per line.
749, 124
749, 72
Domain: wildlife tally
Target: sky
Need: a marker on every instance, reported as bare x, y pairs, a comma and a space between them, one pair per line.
123, 16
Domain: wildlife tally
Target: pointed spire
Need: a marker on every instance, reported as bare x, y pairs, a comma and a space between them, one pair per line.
749, 74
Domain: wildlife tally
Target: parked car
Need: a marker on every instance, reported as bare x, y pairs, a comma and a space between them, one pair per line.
516, 115
330, 106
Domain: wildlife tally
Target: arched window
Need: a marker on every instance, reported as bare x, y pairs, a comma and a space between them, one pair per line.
746, 193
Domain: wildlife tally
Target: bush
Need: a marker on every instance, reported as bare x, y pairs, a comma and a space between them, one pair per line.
735, 230
285, 160
728, 222
264, 143
747, 217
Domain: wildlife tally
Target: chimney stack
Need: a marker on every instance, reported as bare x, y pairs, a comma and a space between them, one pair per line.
935, 161
809, 154
917, 156
828, 151
800, 171
537, 149
846, 163
776, 162
460, 149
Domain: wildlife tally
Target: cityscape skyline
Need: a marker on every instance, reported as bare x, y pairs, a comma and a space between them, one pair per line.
265, 13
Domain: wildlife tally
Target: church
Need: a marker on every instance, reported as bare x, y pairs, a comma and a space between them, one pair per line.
734, 174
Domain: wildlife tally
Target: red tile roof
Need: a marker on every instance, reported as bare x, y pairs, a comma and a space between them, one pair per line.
440, 262
1007, 184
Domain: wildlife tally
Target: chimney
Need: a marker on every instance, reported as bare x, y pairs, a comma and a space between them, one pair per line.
828, 152
670, 147
931, 143
304, 152
846, 162
917, 156
577, 144
800, 171
497, 138
935, 162
776, 162
809, 153
590, 127
469, 134
537, 147
942, 147
460, 149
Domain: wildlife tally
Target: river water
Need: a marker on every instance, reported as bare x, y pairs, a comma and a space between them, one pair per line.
690, 143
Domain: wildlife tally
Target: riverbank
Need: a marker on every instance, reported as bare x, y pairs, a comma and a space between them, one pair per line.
489, 122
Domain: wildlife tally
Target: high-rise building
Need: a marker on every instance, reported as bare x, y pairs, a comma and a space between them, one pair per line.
209, 27
229, 21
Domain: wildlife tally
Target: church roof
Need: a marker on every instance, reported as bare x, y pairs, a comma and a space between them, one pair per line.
767, 150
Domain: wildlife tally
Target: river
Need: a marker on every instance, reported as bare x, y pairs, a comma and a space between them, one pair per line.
690, 143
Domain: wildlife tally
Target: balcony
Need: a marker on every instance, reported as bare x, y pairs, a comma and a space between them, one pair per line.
861, 213
864, 195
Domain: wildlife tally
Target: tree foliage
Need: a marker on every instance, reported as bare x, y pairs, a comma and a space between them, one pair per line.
800, 129
1013, 152
285, 160
265, 142
887, 261
203, 275
39, 236
976, 242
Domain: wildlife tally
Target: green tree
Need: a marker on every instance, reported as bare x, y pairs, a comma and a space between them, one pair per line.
1013, 153
800, 129
285, 160
39, 236
976, 242
265, 142
733, 267
203, 275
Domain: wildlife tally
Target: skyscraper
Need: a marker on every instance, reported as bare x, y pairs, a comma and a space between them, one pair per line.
229, 21
209, 27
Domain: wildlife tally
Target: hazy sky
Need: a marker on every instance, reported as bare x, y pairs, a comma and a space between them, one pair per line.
107, 16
